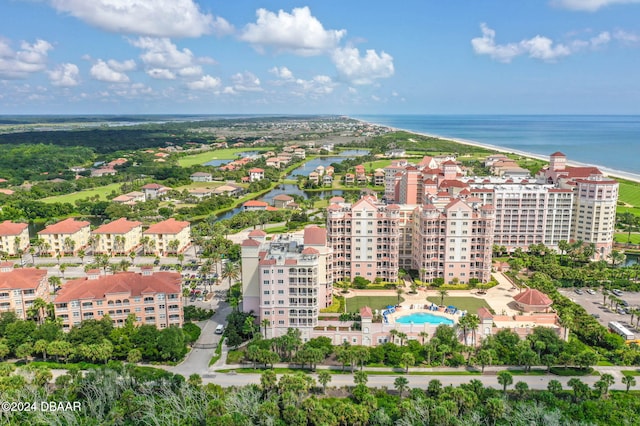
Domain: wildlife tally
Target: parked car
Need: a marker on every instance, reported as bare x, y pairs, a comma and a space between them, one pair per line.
616, 292
578, 291
596, 316
591, 291
624, 303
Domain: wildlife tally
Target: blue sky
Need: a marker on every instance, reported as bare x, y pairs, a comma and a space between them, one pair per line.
347, 57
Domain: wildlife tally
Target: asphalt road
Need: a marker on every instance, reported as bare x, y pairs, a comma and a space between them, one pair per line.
420, 381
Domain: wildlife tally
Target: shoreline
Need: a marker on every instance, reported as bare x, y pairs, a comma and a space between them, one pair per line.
633, 177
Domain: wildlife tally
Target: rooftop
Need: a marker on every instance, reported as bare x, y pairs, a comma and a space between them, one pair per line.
67, 226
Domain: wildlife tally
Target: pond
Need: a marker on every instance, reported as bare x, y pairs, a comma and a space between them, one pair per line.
219, 162
289, 189
311, 165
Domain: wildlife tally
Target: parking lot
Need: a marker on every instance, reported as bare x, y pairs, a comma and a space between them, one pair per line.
593, 305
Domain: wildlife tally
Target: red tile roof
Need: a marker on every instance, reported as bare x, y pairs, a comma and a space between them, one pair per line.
365, 312
152, 186
257, 233
9, 228
256, 170
120, 226
283, 197
558, 154
315, 236
124, 282
67, 226
250, 243
578, 172
255, 203
310, 250
23, 278
533, 297
169, 226
484, 313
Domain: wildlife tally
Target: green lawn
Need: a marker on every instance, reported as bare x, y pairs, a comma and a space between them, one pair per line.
622, 237
379, 164
101, 191
374, 302
218, 154
470, 304
630, 193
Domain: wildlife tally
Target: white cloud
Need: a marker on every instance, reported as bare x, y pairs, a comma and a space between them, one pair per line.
102, 71
65, 75
589, 5
538, 47
128, 65
298, 32
282, 72
246, 82
158, 18
161, 73
20, 64
317, 86
207, 82
365, 69
626, 37
164, 60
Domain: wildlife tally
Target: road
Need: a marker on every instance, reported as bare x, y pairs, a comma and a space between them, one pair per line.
421, 381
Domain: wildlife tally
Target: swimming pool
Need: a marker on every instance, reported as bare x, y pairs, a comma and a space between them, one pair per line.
423, 318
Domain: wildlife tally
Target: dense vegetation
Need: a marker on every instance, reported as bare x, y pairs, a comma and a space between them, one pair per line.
91, 341
137, 395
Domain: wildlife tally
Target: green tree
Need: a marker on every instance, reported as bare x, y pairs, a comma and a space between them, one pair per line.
324, 377
603, 385
629, 381
360, 378
505, 378
401, 384
407, 360
443, 293
554, 386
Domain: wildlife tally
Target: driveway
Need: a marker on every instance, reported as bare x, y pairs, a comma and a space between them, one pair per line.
593, 305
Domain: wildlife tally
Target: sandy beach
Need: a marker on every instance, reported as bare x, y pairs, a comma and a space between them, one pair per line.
607, 171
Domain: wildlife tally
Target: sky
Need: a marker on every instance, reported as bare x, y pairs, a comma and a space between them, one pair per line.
319, 57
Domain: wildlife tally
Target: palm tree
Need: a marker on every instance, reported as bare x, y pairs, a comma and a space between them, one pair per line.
144, 242
173, 246
399, 292
230, 271
54, 282
324, 377
616, 257
442, 293
629, 381
505, 378
69, 245
423, 335
81, 255
265, 323
38, 309
401, 384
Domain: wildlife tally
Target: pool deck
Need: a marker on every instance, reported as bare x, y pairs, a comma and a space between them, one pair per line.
405, 310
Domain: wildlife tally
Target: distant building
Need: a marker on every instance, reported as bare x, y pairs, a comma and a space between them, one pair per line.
13, 237
154, 298
129, 198
395, 153
281, 201
253, 205
65, 237
201, 177
154, 191
20, 287
256, 174
104, 171
163, 234
118, 237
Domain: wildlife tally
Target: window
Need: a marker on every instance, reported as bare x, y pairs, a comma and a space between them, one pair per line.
265, 282
281, 271
100, 312
266, 292
280, 312
281, 322
280, 291
280, 281
267, 312
280, 302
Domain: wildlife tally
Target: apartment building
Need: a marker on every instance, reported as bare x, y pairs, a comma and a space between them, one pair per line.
364, 238
118, 237
559, 203
154, 299
287, 280
20, 287
169, 237
453, 242
596, 198
65, 237
14, 237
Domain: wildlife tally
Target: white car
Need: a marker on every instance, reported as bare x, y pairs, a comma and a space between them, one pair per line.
591, 291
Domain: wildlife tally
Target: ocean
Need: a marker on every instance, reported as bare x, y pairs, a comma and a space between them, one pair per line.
609, 141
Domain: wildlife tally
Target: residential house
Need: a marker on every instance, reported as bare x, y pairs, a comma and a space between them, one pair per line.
201, 192
154, 298
378, 177
314, 177
20, 287
327, 180
395, 153
103, 171
253, 205
154, 191
256, 174
169, 236
65, 237
129, 198
349, 179
282, 201
274, 162
201, 177
299, 153
13, 237
118, 237
230, 190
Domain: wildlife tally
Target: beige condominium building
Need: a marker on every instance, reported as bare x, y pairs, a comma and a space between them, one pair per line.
118, 237
154, 298
13, 237
20, 287
169, 237
65, 237
287, 280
